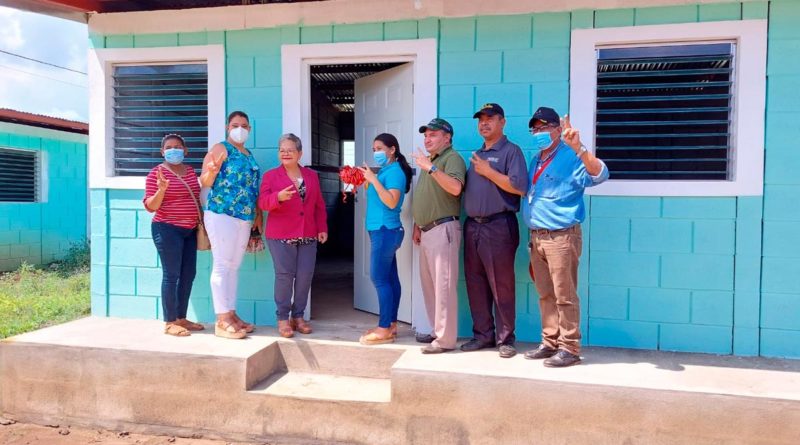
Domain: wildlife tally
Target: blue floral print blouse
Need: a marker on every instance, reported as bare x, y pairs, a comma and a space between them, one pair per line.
235, 190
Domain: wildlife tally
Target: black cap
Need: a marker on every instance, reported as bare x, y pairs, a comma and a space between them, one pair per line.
490, 109
437, 124
546, 115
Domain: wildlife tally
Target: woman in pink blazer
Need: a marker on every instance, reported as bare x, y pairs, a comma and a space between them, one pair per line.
296, 222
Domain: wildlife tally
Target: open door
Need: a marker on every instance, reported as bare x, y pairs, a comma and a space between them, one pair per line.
384, 103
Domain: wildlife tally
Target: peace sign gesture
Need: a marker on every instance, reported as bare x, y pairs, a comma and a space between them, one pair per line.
570, 135
286, 194
161, 181
214, 164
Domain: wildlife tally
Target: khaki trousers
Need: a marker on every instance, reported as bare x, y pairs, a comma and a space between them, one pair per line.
554, 258
438, 270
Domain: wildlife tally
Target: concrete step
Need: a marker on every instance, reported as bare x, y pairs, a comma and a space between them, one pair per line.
315, 386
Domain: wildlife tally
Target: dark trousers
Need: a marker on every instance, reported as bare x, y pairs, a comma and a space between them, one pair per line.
383, 271
294, 270
489, 251
177, 249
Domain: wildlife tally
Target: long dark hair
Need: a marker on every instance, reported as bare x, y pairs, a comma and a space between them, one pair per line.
390, 141
239, 114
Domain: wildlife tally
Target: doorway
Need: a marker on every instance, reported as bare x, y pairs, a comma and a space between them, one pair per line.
297, 64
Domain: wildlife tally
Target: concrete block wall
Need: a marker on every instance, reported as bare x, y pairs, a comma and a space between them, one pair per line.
685, 274
42, 232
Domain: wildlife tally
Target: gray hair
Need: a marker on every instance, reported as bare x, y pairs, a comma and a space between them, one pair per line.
291, 137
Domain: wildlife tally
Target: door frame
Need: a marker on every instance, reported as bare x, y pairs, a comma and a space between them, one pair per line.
296, 63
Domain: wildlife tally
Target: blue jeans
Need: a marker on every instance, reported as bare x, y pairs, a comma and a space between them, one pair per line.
383, 271
177, 248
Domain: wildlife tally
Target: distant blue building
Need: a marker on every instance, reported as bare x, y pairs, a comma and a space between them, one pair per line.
43, 187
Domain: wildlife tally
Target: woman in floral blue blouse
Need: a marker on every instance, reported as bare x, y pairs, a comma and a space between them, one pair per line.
233, 175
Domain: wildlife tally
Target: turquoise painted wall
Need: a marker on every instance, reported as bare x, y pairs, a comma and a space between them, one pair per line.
684, 274
42, 232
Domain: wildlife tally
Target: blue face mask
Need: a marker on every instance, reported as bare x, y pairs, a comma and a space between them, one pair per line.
542, 139
380, 158
173, 156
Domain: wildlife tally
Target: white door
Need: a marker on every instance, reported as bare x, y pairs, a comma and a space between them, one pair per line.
384, 103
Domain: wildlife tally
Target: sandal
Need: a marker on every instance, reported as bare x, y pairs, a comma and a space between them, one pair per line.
176, 330
393, 327
248, 327
285, 329
226, 329
372, 338
190, 325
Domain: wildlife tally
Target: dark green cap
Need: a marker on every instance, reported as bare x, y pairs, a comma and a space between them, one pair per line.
437, 124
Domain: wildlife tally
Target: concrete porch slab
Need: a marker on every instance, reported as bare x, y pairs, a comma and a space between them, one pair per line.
323, 387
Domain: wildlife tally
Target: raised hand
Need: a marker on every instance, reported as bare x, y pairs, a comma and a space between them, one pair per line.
482, 166
286, 194
570, 135
161, 181
422, 160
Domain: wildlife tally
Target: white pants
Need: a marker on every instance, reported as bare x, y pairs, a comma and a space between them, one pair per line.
229, 237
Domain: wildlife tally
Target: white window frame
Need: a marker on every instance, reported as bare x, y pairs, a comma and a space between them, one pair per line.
749, 90
101, 102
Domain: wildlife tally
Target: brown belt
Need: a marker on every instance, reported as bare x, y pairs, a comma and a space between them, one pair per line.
546, 231
438, 222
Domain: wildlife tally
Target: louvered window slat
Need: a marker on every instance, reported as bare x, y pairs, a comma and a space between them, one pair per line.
664, 112
19, 175
151, 101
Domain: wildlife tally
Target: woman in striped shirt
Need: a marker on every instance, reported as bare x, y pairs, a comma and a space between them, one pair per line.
172, 192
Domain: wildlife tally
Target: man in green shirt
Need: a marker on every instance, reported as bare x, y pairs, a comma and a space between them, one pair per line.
437, 230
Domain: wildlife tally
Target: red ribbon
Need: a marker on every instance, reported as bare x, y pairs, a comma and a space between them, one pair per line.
351, 176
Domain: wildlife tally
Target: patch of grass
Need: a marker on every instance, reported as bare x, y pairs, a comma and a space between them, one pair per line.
32, 298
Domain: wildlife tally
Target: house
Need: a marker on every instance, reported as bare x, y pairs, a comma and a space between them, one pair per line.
691, 246
43, 187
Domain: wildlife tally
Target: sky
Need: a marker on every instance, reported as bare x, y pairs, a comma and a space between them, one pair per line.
36, 88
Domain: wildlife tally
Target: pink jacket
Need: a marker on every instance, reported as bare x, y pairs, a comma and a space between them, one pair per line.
294, 218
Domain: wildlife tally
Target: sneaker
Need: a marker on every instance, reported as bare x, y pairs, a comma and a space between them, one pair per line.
476, 345
507, 351
562, 359
541, 352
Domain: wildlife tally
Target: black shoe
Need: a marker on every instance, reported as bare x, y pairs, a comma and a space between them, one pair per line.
424, 338
507, 351
541, 352
430, 349
562, 360
476, 345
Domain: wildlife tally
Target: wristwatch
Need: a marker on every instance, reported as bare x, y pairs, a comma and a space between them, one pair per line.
582, 151
433, 169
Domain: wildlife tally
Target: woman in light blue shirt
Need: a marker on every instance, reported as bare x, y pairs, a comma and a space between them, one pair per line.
385, 193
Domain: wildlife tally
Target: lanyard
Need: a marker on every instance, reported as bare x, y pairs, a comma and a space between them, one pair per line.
540, 166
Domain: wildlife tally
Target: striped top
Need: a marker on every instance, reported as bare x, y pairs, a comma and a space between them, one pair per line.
178, 207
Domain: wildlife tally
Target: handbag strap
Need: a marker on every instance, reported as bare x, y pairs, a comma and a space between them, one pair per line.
196, 202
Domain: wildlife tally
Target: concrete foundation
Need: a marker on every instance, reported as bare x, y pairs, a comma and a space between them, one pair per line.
325, 388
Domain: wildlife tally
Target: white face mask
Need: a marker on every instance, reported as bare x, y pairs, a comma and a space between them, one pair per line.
239, 135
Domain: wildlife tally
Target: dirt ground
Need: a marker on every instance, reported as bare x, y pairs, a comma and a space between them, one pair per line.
30, 434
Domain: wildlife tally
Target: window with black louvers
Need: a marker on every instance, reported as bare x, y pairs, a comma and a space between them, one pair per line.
151, 101
19, 175
664, 112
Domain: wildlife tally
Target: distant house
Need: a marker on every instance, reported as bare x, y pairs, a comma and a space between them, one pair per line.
691, 246
43, 187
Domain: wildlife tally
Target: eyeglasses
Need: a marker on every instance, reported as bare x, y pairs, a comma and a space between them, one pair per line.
543, 128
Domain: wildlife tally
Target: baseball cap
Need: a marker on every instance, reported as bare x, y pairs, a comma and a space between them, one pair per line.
437, 124
490, 109
546, 115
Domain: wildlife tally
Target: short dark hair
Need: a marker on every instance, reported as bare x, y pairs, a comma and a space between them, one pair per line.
238, 113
